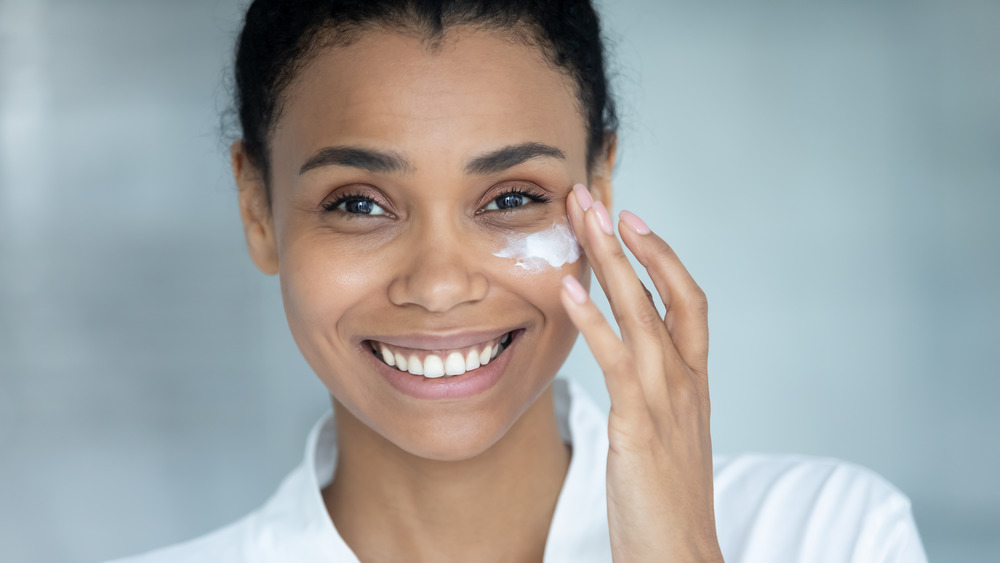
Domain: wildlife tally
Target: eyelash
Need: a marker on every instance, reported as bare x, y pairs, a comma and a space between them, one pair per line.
528, 193
348, 197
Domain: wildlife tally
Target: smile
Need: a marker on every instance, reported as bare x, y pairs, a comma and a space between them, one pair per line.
440, 363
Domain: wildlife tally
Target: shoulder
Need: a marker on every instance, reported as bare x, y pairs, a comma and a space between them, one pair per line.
776, 473
800, 508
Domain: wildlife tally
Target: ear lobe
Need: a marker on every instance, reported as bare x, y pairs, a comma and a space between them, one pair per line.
255, 211
601, 184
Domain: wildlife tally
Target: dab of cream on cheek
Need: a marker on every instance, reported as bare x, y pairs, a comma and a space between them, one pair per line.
550, 248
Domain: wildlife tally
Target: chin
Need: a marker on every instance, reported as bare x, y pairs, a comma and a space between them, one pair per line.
448, 442
456, 431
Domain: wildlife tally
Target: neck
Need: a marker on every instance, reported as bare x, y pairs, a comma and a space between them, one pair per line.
390, 505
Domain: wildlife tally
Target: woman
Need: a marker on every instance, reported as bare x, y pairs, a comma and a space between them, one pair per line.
431, 182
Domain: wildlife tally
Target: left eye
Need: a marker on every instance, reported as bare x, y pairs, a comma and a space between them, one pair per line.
507, 201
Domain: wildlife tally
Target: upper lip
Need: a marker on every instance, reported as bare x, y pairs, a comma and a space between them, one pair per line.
439, 341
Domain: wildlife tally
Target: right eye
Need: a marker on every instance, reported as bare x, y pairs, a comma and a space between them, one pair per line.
354, 205
507, 201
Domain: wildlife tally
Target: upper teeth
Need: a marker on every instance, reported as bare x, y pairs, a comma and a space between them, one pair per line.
448, 363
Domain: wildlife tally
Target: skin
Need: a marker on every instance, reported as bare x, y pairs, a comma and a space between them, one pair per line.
422, 480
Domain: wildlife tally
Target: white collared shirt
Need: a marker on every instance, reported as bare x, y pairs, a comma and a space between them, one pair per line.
771, 509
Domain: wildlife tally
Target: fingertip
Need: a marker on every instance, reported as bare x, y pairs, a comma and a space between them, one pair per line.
574, 289
583, 197
603, 219
634, 222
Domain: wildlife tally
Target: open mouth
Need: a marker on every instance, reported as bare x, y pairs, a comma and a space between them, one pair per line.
433, 364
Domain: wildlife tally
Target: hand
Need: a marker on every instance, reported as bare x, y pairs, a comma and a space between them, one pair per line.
660, 496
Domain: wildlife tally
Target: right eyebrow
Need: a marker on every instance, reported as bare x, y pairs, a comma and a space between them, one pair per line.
372, 160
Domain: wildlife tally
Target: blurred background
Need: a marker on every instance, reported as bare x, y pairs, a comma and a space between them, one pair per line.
828, 171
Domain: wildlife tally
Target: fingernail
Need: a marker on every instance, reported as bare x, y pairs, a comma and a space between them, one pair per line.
633, 220
575, 290
602, 217
583, 196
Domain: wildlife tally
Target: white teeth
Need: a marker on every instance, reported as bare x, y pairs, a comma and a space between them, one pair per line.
414, 366
486, 355
387, 356
433, 367
454, 364
472, 360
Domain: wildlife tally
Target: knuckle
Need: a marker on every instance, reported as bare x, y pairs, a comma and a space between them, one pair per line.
698, 301
663, 251
648, 319
649, 295
623, 362
615, 250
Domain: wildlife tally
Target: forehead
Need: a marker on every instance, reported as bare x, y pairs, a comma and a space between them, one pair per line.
475, 90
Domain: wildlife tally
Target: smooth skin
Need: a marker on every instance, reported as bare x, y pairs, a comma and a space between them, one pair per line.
475, 479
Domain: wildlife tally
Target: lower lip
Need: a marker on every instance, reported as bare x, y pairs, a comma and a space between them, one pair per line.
462, 386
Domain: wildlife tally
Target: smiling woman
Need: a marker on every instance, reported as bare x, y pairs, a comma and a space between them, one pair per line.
430, 181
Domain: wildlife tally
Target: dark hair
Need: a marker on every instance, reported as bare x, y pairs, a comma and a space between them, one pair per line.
279, 37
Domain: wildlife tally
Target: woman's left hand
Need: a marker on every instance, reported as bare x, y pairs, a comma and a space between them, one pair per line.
660, 495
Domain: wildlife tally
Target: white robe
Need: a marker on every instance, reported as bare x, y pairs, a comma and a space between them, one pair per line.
769, 509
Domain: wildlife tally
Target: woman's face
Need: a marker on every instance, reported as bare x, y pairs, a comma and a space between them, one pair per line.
399, 176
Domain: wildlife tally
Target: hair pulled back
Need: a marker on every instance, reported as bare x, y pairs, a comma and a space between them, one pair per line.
280, 36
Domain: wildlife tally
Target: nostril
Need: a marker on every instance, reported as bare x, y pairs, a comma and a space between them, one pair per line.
438, 288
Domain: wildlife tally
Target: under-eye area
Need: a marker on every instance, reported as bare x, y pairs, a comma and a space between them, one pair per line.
433, 364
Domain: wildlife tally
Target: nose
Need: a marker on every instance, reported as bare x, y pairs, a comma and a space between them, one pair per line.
439, 271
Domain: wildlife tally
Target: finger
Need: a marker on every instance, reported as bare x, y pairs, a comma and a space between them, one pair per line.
686, 315
641, 327
624, 388
648, 295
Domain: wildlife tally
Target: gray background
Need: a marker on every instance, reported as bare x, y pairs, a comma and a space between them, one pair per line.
829, 172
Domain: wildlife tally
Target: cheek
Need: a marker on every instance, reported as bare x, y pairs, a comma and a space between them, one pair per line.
536, 263
322, 279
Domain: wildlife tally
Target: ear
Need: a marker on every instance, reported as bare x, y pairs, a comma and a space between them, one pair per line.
255, 211
601, 185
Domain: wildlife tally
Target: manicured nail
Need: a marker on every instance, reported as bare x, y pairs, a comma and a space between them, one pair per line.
583, 196
576, 291
602, 217
633, 220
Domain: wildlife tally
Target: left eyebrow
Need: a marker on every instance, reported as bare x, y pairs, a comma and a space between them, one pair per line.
510, 156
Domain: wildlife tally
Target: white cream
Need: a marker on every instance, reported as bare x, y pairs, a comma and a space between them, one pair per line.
552, 248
